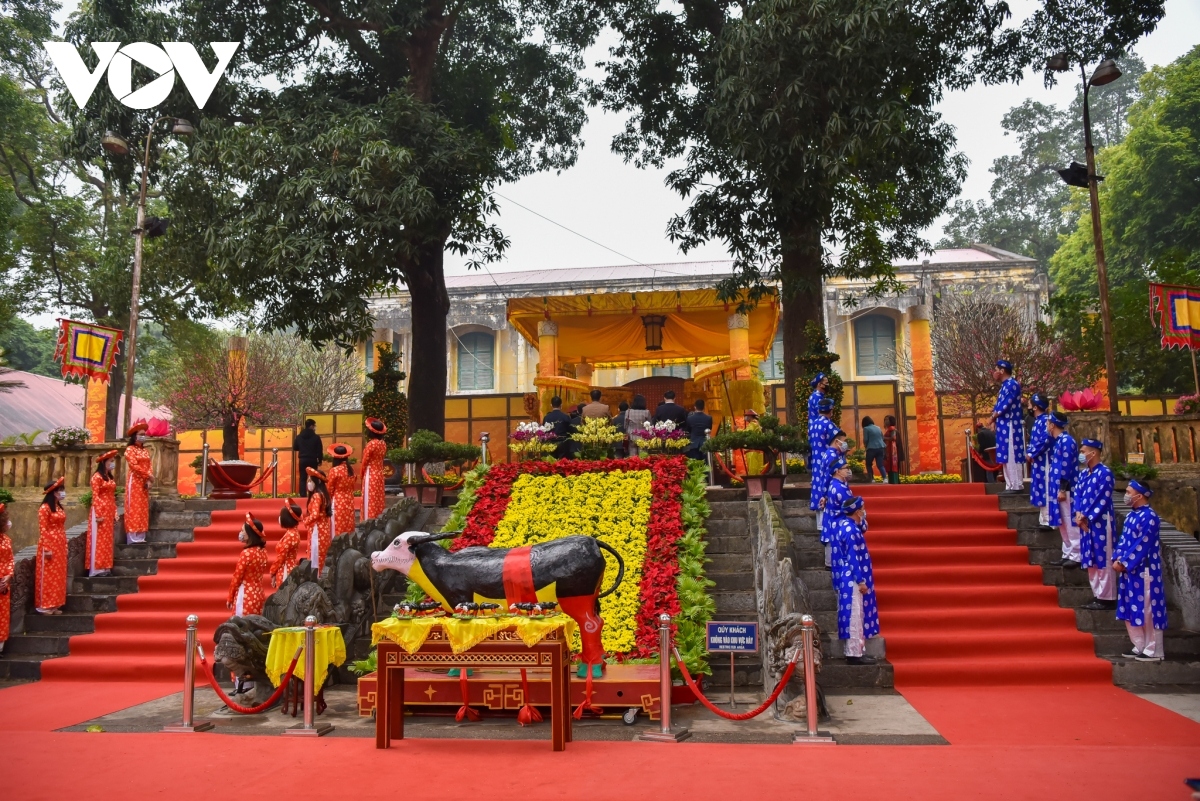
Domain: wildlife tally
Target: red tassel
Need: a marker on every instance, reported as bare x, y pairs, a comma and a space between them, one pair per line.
586, 704
529, 713
465, 710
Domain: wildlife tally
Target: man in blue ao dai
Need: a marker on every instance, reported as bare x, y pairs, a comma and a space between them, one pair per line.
854, 581
1141, 597
1010, 435
1093, 507
1064, 466
1037, 455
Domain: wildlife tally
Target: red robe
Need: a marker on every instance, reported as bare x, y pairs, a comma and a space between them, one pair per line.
372, 467
315, 527
285, 555
6, 572
99, 554
51, 587
247, 577
341, 489
137, 494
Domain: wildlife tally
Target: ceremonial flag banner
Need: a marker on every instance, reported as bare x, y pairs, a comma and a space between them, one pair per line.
87, 350
1176, 310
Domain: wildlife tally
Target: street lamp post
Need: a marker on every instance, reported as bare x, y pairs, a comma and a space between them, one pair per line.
1106, 72
117, 145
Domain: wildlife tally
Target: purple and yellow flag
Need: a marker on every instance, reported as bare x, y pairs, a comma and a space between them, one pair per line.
1176, 310
87, 350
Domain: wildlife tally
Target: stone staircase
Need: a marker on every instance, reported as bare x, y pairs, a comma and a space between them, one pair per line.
731, 566
808, 560
1182, 665
49, 636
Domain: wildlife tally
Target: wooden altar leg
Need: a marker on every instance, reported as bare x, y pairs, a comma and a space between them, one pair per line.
565, 663
382, 707
558, 711
396, 693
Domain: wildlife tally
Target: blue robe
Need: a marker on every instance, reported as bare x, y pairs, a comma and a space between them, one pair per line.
1139, 551
821, 475
1041, 492
824, 431
836, 493
851, 567
1009, 431
1093, 499
814, 400
1064, 461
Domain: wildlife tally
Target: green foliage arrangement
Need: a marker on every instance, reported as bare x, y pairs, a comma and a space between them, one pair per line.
85, 500
5, 496
385, 400
692, 586
817, 359
364, 666
771, 437
425, 447
28, 438
1142, 472
931, 478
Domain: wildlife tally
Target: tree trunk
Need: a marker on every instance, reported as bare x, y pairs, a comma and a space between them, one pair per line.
801, 276
112, 399
430, 305
229, 439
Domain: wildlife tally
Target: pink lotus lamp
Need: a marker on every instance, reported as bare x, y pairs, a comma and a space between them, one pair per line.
1083, 401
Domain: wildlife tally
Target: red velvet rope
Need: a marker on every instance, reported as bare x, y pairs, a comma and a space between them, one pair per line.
725, 469
982, 463
214, 466
265, 705
787, 675
429, 480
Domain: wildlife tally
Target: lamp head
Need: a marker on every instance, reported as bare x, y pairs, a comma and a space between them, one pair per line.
114, 143
1059, 62
182, 128
1106, 72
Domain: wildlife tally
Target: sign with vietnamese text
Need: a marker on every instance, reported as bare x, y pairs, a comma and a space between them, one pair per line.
732, 636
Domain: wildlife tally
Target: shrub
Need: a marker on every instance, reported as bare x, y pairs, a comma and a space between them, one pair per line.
1142, 472
1188, 404
931, 478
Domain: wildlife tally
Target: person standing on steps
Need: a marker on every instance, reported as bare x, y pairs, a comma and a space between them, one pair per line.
698, 422
820, 457
7, 565
1006, 416
670, 410
341, 488
288, 547
307, 445
1063, 469
316, 523
245, 590
854, 581
137, 485
562, 427
98, 556
596, 408
1137, 559
837, 492
874, 446
1092, 505
374, 452
50, 589
635, 421
893, 453
1038, 458
816, 445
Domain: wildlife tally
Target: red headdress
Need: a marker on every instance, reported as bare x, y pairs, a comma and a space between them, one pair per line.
54, 485
376, 426
339, 451
104, 457
315, 472
140, 425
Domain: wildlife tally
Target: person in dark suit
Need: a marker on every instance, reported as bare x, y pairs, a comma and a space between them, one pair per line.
619, 423
697, 423
985, 445
562, 426
670, 410
309, 453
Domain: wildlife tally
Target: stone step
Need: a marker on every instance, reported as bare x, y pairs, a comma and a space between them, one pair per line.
1064, 576
135, 567
729, 563
801, 524
40, 644
836, 674
1182, 644
725, 495
732, 582
796, 508
205, 505
67, 623
735, 510
728, 527
726, 545
179, 519
795, 492
1040, 538
91, 602
145, 550
1100, 621
108, 585
1074, 597
1173, 670
733, 603
22, 667
171, 535
747, 672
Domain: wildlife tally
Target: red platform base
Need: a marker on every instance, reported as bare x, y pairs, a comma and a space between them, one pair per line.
622, 687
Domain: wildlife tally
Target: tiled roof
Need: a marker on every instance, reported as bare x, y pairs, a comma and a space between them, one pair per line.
50, 403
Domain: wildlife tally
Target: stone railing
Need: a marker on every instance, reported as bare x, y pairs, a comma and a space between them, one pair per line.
1170, 442
25, 469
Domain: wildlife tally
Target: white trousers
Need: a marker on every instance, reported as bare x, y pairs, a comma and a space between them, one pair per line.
314, 551
1014, 476
828, 554
1069, 531
1147, 640
1104, 579
857, 642
240, 604
1044, 510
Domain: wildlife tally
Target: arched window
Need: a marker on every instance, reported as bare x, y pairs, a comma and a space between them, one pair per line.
476, 360
875, 345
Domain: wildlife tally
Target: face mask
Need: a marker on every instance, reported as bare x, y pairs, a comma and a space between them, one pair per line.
312, 487
110, 465
61, 495
1128, 499
242, 537
843, 446
1083, 458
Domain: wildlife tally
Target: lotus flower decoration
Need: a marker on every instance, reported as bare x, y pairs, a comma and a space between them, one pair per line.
1082, 401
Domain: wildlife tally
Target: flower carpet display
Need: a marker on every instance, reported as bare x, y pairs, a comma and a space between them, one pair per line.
651, 510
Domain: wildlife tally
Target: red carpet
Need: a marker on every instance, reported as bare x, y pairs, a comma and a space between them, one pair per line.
143, 639
959, 603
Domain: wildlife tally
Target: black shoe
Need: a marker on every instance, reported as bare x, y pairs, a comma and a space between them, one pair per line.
1131, 654
861, 660
1098, 605
1071, 564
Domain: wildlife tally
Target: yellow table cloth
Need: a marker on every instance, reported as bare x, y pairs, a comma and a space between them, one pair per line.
410, 634
330, 650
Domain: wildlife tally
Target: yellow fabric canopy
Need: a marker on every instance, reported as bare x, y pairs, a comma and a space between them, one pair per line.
606, 330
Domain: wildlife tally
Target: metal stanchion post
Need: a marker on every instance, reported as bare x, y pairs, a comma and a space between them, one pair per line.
970, 467
665, 733
483, 443
308, 728
809, 629
275, 473
204, 472
712, 477
189, 683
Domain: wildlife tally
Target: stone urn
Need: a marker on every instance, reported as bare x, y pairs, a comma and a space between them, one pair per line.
231, 479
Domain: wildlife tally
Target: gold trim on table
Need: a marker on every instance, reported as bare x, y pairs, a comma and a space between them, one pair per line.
411, 634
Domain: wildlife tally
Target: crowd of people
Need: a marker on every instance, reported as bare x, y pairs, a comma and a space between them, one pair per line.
630, 419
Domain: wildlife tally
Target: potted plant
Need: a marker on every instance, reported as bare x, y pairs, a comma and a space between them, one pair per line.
771, 438
425, 447
596, 437
533, 441
662, 437
69, 437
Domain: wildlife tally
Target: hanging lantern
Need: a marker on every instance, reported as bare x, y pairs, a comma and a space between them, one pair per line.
654, 327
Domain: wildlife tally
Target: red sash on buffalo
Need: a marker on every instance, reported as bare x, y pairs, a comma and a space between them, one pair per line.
518, 577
